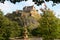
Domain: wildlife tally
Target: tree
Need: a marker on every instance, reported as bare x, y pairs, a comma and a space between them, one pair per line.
24, 19
42, 1
4, 28
48, 28
7, 27
58, 36
38, 2
49, 25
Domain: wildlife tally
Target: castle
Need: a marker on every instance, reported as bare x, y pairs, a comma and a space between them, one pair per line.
32, 11
29, 8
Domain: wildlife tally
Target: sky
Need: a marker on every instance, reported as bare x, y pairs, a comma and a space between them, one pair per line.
9, 7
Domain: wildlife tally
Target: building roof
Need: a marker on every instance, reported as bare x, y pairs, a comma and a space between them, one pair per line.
28, 8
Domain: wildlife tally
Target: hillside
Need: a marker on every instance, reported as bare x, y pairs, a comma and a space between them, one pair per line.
30, 18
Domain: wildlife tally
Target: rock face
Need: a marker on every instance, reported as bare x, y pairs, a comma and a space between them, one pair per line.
25, 18
28, 15
27, 11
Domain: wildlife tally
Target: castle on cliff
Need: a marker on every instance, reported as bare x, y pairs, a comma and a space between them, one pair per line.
27, 10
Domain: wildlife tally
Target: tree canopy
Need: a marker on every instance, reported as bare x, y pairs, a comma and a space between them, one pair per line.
48, 28
12, 25
8, 28
38, 2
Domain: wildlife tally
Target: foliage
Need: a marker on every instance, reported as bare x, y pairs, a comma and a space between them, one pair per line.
7, 28
23, 18
48, 28
12, 25
38, 2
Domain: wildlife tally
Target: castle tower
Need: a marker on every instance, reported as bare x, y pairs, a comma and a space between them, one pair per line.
31, 9
28, 8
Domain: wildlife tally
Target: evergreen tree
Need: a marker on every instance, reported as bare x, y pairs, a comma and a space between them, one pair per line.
8, 27
48, 28
49, 25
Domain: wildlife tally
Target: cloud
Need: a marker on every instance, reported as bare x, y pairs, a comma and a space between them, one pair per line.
8, 7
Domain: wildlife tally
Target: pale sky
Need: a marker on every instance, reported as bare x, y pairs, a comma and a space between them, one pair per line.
9, 7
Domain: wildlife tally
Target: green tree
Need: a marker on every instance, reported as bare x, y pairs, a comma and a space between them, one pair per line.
48, 28
4, 32
58, 28
49, 25
8, 28
25, 20
38, 2
15, 29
